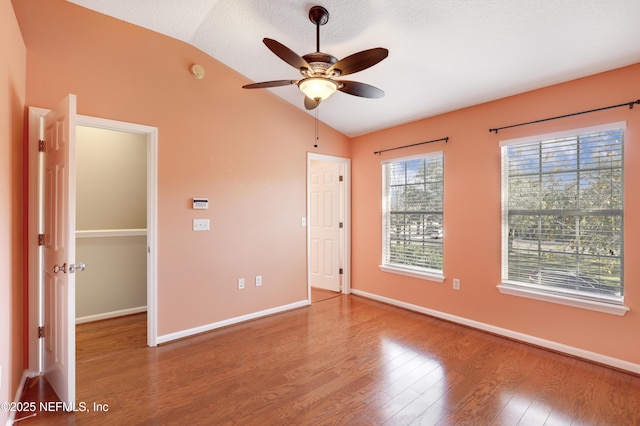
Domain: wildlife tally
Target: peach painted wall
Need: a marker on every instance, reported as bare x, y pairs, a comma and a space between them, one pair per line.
244, 150
472, 220
13, 63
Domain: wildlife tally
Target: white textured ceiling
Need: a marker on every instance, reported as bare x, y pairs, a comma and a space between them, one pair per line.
443, 54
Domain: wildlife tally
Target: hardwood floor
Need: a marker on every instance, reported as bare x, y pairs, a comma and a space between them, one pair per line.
319, 294
344, 361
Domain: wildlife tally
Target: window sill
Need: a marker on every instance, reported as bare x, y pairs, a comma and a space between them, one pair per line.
531, 293
424, 274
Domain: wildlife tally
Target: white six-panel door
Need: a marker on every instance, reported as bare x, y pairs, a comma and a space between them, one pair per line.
324, 224
59, 250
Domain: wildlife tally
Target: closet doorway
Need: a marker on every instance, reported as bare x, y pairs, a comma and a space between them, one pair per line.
111, 223
147, 232
45, 164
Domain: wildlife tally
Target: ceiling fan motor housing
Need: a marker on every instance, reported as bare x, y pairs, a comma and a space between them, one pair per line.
320, 63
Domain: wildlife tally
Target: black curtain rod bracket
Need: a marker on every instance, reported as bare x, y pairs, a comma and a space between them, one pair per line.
413, 144
629, 104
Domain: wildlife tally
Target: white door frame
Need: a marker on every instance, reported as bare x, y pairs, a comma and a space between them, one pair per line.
35, 225
345, 214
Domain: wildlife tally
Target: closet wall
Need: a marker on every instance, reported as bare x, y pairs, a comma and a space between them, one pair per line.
111, 223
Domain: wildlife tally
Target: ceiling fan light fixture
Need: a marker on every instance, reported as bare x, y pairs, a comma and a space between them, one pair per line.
319, 69
317, 88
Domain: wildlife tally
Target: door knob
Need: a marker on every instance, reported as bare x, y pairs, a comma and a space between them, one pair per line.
78, 267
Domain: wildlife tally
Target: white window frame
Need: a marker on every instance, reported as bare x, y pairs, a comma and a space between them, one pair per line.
612, 305
429, 274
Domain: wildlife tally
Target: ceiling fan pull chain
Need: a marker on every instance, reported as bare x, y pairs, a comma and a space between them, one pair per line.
317, 130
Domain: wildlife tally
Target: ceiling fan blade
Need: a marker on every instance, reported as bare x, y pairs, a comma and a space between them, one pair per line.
356, 88
266, 84
286, 54
310, 103
359, 61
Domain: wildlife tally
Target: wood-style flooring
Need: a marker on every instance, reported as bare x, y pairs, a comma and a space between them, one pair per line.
320, 294
342, 361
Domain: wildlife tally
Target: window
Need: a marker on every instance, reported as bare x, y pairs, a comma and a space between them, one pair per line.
412, 230
562, 229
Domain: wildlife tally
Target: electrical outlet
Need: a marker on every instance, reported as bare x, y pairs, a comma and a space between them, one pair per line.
201, 224
240, 283
456, 284
258, 280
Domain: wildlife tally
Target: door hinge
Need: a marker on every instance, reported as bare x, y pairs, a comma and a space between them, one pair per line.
40, 332
341, 178
40, 239
40, 146
340, 271
341, 225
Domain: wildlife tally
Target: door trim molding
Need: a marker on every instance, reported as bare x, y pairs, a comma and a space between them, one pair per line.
152, 210
35, 225
345, 207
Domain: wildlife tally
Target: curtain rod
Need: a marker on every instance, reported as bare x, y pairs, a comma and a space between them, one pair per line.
414, 144
629, 104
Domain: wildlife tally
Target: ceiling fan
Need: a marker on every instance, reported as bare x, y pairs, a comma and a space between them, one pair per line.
319, 70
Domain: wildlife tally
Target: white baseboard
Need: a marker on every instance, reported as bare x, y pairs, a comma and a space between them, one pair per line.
26, 374
548, 344
208, 327
113, 314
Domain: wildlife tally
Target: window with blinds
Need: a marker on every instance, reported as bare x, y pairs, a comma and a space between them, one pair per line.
413, 193
563, 213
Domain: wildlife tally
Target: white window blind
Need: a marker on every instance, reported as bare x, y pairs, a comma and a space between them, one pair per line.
563, 213
412, 212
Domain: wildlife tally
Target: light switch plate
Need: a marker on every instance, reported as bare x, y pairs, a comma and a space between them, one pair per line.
201, 224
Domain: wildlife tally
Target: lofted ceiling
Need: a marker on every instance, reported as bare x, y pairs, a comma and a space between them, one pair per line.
443, 54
